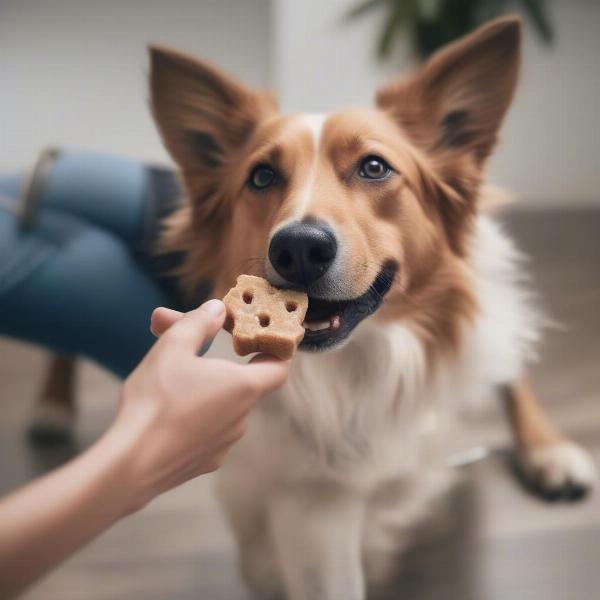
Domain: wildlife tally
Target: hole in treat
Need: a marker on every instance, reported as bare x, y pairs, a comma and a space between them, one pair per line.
291, 306
264, 320
248, 297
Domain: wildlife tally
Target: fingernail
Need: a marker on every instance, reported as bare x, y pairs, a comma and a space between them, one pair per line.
215, 307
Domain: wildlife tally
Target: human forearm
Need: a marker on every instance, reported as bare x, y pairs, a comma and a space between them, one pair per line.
46, 521
179, 416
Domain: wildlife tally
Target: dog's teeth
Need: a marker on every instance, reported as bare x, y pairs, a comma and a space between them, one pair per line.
317, 325
335, 322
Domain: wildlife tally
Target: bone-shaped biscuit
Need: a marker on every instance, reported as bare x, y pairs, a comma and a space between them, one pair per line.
262, 318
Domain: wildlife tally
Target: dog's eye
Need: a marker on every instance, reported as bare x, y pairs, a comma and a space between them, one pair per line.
262, 177
373, 167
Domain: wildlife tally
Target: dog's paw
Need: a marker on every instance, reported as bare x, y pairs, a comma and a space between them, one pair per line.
562, 471
51, 423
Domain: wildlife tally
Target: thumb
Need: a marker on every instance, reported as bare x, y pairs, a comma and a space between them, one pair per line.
198, 327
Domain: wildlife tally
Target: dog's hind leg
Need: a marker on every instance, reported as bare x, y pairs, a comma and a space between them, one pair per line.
550, 464
317, 532
54, 411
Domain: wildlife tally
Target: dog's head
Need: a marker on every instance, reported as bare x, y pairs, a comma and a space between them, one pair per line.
360, 207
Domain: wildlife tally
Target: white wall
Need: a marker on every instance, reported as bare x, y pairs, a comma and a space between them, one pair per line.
323, 62
550, 146
73, 72
550, 150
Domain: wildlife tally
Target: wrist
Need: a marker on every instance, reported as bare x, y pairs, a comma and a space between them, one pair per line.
127, 488
127, 443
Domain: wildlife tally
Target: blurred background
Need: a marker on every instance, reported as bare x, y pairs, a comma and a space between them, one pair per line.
73, 75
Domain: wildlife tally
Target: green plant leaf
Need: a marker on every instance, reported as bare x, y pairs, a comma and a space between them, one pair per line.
364, 7
536, 10
404, 13
433, 23
489, 9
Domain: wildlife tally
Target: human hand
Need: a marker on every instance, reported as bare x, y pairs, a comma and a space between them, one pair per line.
184, 412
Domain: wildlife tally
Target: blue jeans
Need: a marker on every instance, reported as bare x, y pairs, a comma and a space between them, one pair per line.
83, 280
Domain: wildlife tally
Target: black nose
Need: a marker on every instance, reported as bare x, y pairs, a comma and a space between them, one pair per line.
302, 252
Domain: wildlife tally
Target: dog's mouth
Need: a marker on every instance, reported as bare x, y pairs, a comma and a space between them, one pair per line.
329, 322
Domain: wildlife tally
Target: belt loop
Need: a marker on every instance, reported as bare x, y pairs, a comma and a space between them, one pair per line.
33, 187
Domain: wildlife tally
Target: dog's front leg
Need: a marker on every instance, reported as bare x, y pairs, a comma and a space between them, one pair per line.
554, 466
317, 532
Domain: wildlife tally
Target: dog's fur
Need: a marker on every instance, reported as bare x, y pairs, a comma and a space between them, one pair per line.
336, 465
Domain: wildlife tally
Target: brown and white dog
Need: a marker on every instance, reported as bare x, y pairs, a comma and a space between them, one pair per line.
415, 300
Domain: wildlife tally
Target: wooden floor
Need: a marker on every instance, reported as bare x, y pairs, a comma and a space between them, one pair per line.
503, 544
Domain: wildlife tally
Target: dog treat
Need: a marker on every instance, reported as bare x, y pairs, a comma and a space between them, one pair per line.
262, 318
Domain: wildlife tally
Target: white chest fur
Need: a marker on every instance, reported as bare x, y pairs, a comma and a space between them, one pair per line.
361, 413
349, 450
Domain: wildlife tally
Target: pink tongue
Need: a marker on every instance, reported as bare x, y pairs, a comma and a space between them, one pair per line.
335, 322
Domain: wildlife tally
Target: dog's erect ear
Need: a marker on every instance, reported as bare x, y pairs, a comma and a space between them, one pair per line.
452, 109
456, 102
204, 116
